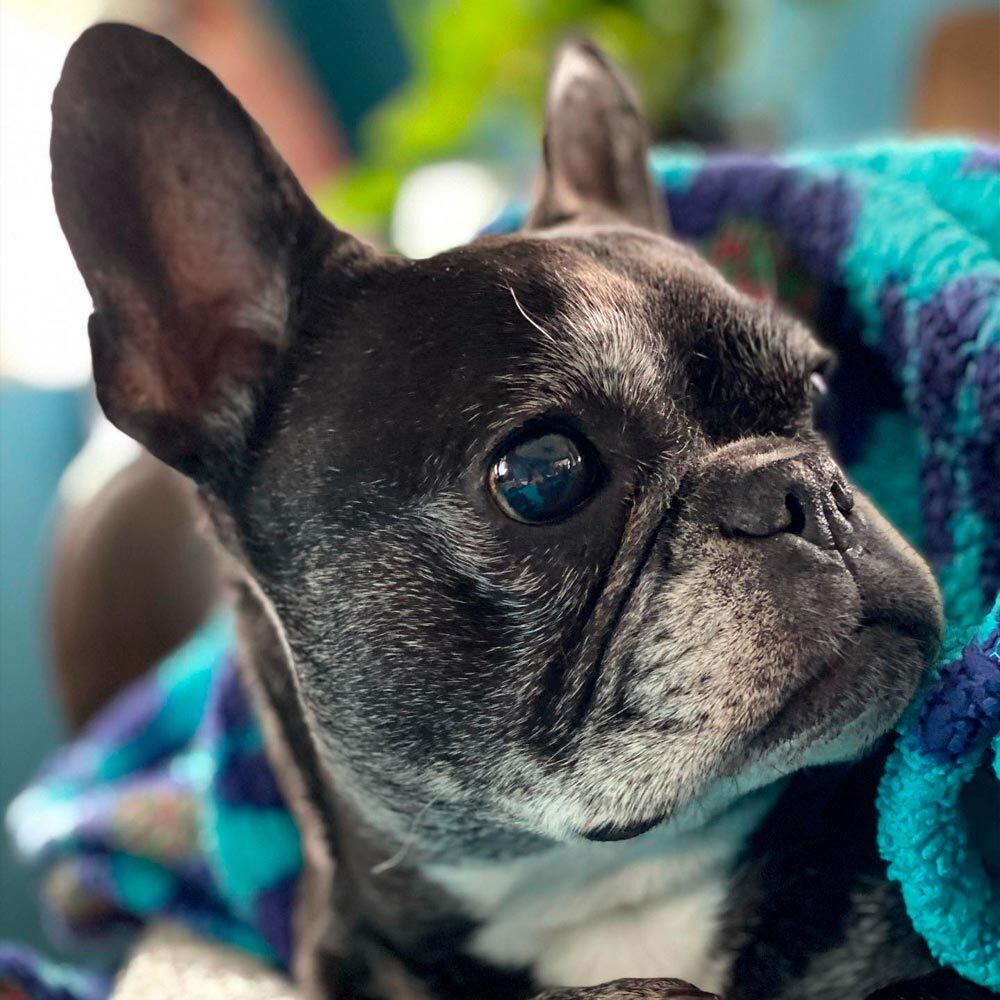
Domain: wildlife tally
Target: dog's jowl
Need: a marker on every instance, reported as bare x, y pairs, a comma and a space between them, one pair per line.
572, 643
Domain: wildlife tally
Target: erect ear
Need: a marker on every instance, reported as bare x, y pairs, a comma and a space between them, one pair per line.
596, 145
190, 233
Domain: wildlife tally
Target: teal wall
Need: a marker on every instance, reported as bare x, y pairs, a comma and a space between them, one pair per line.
353, 48
833, 71
39, 433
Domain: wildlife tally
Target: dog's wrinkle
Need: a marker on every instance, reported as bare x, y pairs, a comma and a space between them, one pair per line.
548, 727
661, 531
925, 631
597, 336
559, 732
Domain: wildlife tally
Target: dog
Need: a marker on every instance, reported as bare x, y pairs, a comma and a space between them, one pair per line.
573, 646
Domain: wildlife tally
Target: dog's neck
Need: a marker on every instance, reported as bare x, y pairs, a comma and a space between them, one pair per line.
571, 914
584, 913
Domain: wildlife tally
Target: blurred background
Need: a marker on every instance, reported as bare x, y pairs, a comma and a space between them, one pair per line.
412, 122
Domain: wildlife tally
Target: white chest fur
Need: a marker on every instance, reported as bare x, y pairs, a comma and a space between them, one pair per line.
584, 913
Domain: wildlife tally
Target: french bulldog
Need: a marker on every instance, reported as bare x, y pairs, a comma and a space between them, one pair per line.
572, 644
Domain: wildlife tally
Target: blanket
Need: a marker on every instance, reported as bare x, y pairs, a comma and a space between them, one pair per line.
892, 253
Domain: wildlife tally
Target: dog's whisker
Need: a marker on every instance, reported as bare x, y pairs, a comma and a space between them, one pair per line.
397, 859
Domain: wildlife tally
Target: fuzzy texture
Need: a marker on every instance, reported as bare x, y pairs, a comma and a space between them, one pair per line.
890, 252
924, 833
160, 808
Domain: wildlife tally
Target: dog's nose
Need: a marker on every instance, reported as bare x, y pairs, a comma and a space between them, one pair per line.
804, 495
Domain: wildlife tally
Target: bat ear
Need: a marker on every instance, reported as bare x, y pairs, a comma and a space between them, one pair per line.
187, 228
596, 145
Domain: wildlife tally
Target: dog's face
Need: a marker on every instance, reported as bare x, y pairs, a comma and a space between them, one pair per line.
545, 519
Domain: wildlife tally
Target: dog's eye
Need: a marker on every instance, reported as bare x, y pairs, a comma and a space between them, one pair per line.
543, 478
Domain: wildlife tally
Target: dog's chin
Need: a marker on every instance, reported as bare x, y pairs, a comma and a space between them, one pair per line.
834, 717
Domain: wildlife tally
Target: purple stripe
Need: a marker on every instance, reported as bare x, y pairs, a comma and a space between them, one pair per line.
246, 779
892, 314
964, 705
948, 327
986, 158
272, 917
984, 463
229, 709
814, 216
987, 384
937, 498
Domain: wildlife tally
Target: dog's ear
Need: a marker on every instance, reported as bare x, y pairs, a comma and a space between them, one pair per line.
191, 234
596, 145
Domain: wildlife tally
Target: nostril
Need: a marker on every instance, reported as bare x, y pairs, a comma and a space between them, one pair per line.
797, 515
843, 497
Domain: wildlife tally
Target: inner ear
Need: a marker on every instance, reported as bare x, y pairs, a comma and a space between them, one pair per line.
596, 148
191, 234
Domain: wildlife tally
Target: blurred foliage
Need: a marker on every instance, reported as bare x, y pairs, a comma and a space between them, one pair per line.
479, 77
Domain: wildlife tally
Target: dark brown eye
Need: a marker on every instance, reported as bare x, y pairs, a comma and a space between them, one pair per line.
543, 478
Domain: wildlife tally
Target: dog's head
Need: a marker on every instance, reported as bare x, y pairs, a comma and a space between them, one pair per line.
545, 518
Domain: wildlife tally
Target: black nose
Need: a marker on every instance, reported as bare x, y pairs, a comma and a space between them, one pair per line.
802, 494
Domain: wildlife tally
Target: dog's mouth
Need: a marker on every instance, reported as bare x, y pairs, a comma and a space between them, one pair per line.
924, 632
823, 706
610, 832
836, 714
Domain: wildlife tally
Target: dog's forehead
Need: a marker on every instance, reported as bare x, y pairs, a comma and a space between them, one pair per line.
589, 275
579, 311
435, 359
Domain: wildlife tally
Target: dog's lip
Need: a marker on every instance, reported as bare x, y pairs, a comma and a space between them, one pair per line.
925, 633
608, 832
783, 722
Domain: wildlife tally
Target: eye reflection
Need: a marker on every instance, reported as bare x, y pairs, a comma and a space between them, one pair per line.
542, 478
